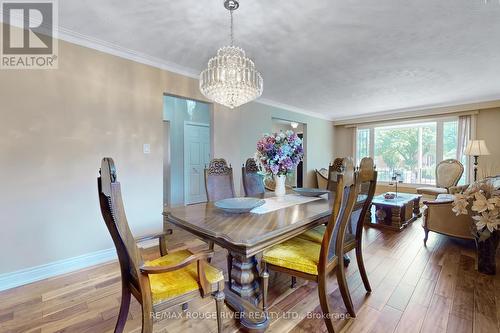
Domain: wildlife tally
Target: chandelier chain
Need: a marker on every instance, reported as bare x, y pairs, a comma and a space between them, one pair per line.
231, 34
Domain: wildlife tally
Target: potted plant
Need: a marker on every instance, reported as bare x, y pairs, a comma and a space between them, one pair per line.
279, 154
481, 201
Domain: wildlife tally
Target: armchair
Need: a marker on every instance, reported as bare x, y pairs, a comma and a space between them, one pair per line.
439, 217
448, 173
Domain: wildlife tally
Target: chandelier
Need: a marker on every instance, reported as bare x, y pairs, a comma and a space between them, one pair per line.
231, 78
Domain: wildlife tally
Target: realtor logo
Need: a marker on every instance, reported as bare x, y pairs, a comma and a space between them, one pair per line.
28, 36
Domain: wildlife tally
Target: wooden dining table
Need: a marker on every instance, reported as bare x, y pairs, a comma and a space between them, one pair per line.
245, 236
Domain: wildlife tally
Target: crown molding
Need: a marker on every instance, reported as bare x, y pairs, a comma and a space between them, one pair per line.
421, 111
122, 52
291, 108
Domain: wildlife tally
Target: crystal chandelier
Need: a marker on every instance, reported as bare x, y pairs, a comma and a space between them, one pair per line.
231, 78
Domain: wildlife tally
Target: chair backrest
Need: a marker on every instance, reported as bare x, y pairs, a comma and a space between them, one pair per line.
335, 169
368, 184
448, 173
253, 181
334, 236
322, 178
219, 180
113, 213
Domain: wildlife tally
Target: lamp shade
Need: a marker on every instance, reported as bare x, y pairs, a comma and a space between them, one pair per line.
476, 148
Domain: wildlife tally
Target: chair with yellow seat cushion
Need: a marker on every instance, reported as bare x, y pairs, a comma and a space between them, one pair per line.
354, 232
172, 284
172, 279
314, 261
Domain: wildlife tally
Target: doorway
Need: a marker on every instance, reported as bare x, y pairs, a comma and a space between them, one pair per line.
187, 149
295, 178
196, 157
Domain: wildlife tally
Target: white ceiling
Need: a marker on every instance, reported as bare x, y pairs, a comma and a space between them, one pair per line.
339, 58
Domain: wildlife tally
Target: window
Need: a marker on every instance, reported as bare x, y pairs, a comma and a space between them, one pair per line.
410, 150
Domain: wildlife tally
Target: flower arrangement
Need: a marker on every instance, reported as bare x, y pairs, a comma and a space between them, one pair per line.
279, 153
481, 200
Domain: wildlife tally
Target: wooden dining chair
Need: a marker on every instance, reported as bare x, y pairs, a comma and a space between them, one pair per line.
219, 185
368, 183
219, 180
253, 181
170, 280
313, 261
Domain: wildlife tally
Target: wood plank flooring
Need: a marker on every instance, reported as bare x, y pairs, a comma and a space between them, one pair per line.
415, 289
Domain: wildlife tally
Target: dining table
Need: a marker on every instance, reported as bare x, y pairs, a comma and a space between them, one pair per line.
245, 236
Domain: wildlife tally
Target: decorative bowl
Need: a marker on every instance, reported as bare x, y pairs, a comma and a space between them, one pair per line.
389, 196
239, 205
309, 192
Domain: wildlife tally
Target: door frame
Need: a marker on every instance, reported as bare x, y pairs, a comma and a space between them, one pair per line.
186, 174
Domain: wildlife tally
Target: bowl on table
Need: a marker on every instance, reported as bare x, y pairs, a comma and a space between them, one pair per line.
239, 205
310, 192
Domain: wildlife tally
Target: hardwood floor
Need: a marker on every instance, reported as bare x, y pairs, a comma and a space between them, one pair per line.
415, 289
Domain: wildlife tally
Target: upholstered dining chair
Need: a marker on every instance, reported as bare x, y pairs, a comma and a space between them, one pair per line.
322, 178
170, 280
368, 184
219, 180
313, 261
448, 173
253, 181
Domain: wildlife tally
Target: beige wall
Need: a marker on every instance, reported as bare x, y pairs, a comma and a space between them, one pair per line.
55, 127
488, 129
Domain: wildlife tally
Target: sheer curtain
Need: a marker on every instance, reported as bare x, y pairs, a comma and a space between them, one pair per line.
464, 135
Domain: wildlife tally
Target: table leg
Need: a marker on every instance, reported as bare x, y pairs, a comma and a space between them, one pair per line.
416, 207
243, 294
396, 217
245, 278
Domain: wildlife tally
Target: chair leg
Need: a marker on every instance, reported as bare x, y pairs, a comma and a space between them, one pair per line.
229, 267
219, 305
293, 282
323, 301
265, 286
347, 260
211, 248
426, 235
361, 267
147, 319
344, 290
124, 307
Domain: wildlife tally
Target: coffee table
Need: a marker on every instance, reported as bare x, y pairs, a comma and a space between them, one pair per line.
394, 213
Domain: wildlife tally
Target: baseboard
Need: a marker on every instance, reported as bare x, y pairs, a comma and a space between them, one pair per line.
37, 273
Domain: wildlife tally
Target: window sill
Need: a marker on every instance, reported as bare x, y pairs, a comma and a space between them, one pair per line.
407, 185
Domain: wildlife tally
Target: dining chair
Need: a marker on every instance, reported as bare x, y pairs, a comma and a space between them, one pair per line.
219, 185
368, 183
219, 180
321, 178
253, 181
313, 261
173, 279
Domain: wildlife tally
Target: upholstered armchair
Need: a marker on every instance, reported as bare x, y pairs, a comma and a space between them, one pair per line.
448, 173
322, 178
439, 217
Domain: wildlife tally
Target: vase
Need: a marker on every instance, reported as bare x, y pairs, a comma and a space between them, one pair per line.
279, 189
486, 254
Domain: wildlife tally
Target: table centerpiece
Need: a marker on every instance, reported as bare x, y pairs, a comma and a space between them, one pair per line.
278, 154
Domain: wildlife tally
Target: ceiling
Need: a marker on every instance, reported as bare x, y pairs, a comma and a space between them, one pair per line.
337, 58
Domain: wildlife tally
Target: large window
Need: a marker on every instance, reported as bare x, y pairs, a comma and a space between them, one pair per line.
410, 150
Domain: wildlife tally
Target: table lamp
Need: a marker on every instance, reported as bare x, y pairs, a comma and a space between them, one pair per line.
476, 148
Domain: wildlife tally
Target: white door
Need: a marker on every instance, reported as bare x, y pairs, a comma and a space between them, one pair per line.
196, 156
